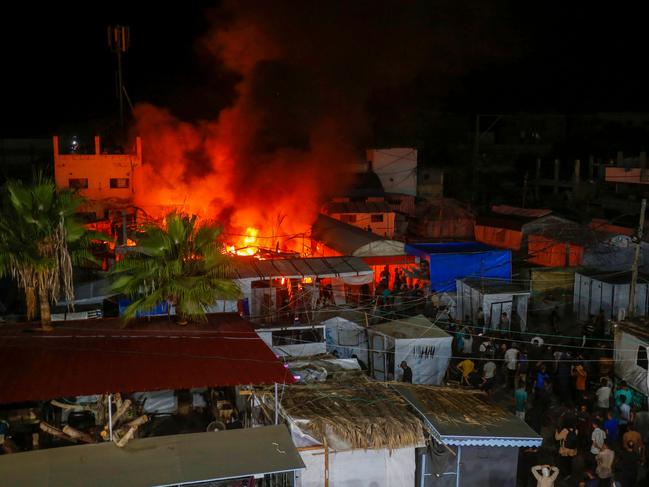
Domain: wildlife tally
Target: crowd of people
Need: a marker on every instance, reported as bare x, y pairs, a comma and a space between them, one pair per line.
594, 429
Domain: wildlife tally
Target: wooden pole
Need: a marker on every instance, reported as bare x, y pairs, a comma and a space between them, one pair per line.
556, 176
636, 261
326, 462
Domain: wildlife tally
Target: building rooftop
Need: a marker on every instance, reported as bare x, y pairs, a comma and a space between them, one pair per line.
162, 461
101, 356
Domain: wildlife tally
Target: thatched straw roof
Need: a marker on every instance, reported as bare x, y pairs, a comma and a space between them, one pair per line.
359, 414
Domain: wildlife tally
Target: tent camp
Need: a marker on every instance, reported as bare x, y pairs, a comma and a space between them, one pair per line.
346, 338
425, 347
595, 291
494, 297
455, 260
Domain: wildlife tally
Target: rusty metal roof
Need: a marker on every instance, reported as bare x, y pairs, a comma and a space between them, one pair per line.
99, 356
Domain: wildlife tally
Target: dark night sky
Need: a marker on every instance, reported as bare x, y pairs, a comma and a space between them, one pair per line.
58, 73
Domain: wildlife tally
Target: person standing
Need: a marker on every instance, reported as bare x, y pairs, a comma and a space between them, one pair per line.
488, 376
523, 365
568, 443
407, 372
504, 324
612, 427
623, 390
633, 436
625, 414
511, 361
580, 376
480, 320
603, 395
598, 437
629, 462
520, 397
605, 459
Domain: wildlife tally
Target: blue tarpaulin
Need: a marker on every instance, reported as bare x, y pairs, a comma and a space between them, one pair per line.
457, 260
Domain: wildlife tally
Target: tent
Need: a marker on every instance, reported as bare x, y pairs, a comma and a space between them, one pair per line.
494, 297
425, 347
333, 237
595, 291
631, 355
346, 338
455, 260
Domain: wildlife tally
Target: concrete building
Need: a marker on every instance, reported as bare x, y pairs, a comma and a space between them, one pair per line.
105, 179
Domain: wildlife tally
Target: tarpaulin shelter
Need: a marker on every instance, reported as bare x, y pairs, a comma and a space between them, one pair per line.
632, 354
449, 261
346, 338
595, 291
495, 297
425, 347
333, 237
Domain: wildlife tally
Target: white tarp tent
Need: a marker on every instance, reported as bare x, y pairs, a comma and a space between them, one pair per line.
346, 338
416, 340
359, 468
631, 356
610, 293
495, 297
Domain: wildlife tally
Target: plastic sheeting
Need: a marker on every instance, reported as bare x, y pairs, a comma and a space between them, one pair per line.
627, 349
591, 295
346, 338
359, 468
457, 260
549, 252
499, 237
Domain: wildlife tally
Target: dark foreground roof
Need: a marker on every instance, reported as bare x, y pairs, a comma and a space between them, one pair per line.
467, 418
297, 268
99, 356
161, 461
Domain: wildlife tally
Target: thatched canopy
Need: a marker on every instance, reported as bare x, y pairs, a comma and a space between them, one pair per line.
359, 414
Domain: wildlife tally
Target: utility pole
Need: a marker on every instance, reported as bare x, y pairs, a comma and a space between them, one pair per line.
119, 41
636, 261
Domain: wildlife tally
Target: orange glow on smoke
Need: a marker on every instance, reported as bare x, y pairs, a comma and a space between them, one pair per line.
235, 169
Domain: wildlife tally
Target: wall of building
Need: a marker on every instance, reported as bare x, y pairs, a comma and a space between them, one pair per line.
98, 176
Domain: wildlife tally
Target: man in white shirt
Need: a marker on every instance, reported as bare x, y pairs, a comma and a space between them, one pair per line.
488, 376
603, 395
597, 437
511, 358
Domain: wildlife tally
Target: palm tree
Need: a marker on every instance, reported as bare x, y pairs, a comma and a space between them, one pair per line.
182, 263
40, 240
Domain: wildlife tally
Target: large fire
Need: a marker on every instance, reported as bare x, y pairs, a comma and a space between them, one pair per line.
263, 189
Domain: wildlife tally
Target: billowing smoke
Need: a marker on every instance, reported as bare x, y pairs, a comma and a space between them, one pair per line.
299, 121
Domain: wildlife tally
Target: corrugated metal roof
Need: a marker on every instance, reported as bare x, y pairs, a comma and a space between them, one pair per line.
467, 418
99, 356
249, 267
161, 461
358, 207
